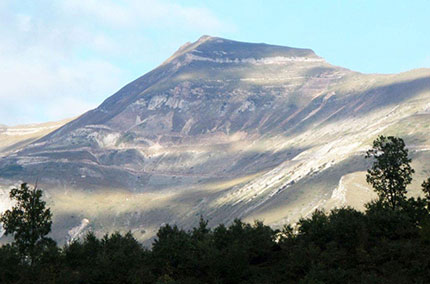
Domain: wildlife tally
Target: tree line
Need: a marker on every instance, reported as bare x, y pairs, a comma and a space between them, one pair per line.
387, 243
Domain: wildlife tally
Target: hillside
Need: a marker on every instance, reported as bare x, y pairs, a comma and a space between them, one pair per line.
13, 138
224, 129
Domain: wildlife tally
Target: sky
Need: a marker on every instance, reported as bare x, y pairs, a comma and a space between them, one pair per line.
61, 58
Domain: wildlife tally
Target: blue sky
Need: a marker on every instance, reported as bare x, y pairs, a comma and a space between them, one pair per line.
61, 58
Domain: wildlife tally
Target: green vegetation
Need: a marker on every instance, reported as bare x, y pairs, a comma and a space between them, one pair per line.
391, 172
387, 243
28, 221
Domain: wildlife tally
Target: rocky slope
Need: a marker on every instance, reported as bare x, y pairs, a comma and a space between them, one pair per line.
224, 129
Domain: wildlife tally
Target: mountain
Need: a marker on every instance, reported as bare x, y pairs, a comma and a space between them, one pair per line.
224, 129
13, 138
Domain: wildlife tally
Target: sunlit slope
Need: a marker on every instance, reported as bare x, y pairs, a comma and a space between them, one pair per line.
13, 138
225, 129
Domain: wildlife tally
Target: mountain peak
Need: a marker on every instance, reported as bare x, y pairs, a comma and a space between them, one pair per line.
217, 48
205, 37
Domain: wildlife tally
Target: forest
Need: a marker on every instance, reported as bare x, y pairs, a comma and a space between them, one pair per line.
389, 242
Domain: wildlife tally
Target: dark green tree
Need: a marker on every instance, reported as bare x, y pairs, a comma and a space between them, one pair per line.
426, 188
29, 221
391, 171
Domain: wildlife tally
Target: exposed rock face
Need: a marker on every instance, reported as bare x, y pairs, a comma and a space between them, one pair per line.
224, 129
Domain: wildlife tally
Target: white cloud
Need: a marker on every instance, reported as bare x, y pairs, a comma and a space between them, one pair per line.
59, 59
40, 71
108, 12
134, 13
38, 92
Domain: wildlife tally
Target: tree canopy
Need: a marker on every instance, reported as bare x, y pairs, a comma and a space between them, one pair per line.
29, 221
391, 171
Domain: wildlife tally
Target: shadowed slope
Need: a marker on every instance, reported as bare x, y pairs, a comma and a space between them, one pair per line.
225, 129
